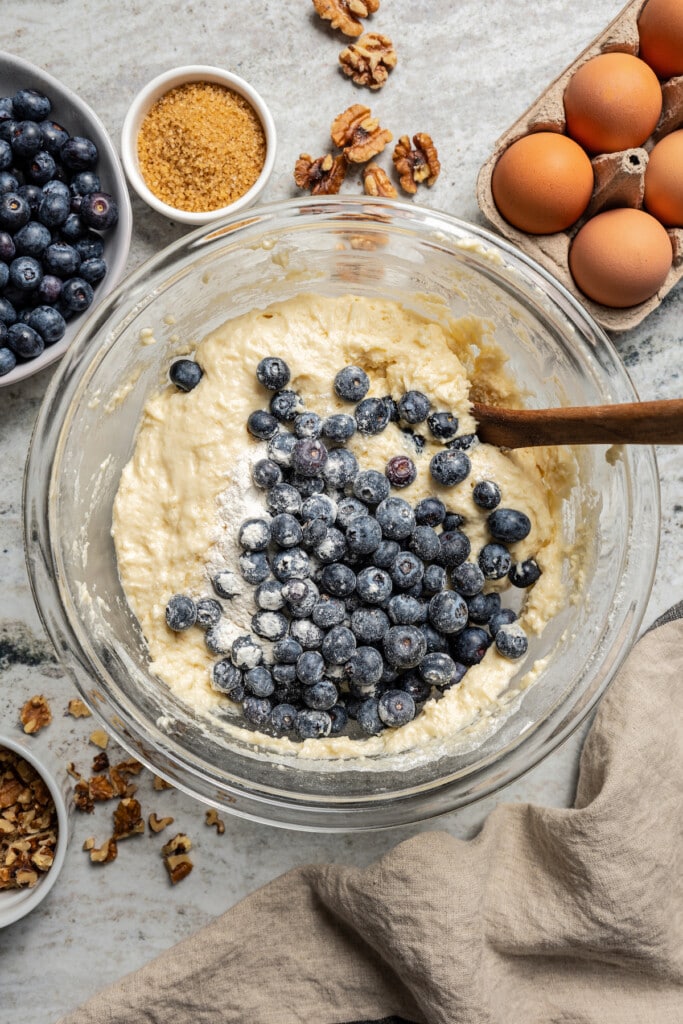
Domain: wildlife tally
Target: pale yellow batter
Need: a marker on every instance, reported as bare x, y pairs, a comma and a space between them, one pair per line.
185, 492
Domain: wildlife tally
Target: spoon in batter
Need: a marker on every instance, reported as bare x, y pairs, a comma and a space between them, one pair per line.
659, 422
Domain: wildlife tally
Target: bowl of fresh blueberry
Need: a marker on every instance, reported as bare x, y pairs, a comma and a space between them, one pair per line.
65, 218
271, 549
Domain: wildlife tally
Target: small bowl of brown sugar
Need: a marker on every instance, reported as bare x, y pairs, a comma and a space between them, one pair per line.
198, 143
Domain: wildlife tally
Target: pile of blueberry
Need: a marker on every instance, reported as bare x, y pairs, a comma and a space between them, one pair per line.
370, 605
52, 210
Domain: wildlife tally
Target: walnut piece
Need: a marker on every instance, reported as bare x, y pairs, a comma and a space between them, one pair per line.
358, 133
100, 762
180, 843
323, 176
100, 788
100, 738
127, 819
376, 182
178, 867
77, 709
35, 714
346, 14
417, 165
160, 784
369, 60
105, 854
158, 824
213, 819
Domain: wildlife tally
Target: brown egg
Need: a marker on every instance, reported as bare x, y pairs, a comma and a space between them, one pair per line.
660, 28
612, 102
664, 180
542, 183
620, 257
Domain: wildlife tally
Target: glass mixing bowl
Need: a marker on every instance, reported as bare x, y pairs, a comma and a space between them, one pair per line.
86, 430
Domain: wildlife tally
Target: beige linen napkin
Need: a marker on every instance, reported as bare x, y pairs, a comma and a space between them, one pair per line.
548, 915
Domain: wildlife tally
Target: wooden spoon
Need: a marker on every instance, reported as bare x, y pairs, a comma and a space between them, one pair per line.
658, 422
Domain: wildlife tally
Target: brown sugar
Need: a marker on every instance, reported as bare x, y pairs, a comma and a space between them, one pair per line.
200, 147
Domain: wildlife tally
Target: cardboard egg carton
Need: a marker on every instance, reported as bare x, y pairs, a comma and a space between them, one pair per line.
619, 177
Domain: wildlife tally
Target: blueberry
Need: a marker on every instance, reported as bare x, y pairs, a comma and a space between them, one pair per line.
25, 273
419, 690
511, 641
90, 246
340, 718
53, 136
24, 341
405, 610
404, 646
26, 138
7, 247
340, 469
494, 561
434, 640
332, 548
369, 624
79, 154
523, 574
280, 448
430, 512
307, 425
290, 564
352, 384
83, 183
41, 168
310, 668
9, 182
307, 634
482, 607
413, 407
449, 467
448, 612
453, 521
307, 486
32, 194
347, 510
61, 259
218, 639
338, 645
53, 209
93, 270
49, 289
185, 374
300, 596
508, 525
319, 506
396, 518
312, 725
262, 424
470, 646
287, 651
181, 612
209, 612
338, 579
254, 566
227, 679
283, 718
285, 530
406, 570
283, 498
374, 585
417, 439
400, 471
8, 314
454, 547
32, 239
321, 696
313, 533
14, 211
269, 625
273, 373
265, 473
363, 670
246, 652
257, 711
503, 617
486, 494
31, 105
372, 416
467, 579
368, 717
57, 188
226, 584
363, 535
268, 596
6, 155
259, 681
464, 442
254, 534
328, 611
286, 406
8, 361
425, 543
339, 427
309, 455
48, 322
396, 708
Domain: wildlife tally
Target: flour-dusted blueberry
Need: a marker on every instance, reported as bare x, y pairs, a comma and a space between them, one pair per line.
340, 718
283, 718
434, 640
339, 427
373, 585
443, 425
48, 322
482, 607
404, 646
218, 639
486, 494
457, 676
404, 610
307, 486
463, 443
448, 612
209, 612
370, 487
430, 512
396, 517
338, 646
281, 448
347, 509
406, 570
434, 579
392, 407
363, 671
425, 543
412, 683
269, 625
340, 469
511, 641
287, 651
273, 373
352, 384
226, 584
524, 574
309, 455
285, 530
285, 676
413, 407
246, 652
453, 521
396, 708
307, 634
283, 498
307, 425
310, 668
384, 555
290, 564
449, 467
301, 597
372, 416
470, 646
286, 405
262, 424
319, 506
24, 341
268, 596
181, 612
185, 374
257, 711
8, 361
508, 525
313, 533
467, 579
400, 471
254, 534
227, 679
328, 611
338, 579
321, 696
254, 566
368, 718
363, 535
454, 548
503, 617
312, 725
332, 547
436, 669
259, 681
494, 561
369, 625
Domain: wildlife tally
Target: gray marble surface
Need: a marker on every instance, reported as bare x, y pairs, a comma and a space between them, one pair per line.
466, 71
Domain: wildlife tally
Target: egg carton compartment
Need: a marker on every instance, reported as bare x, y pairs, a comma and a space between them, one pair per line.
619, 177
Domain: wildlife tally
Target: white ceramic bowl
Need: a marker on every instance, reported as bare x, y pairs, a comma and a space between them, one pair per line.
16, 903
78, 118
141, 105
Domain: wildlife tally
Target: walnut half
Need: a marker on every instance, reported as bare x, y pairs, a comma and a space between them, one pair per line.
35, 714
417, 165
376, 182
323, 176
369, 60
358, 133
346, 14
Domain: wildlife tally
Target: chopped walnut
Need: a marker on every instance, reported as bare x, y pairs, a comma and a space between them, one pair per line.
100, 738
129, 767
213, 819
35, 714
369, 60
28, 823
358, 133
105, 854
127, 819
159, 824
323, 176
100, 762
83, 801
100, 788
376, 182
178, 866
180, 843
416, 165
73, 771
160, 784
89, 843
346, 14
77, 709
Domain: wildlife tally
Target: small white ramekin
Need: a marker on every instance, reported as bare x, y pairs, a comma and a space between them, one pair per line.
16, 903
141, 105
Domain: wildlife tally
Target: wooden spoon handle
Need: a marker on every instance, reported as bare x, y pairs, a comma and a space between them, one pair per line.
659, 422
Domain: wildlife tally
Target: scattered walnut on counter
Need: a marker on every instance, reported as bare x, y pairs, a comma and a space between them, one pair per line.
346, 14
369, 60
159, 824
174, 852
180, 843
77, 709
358, 133
100, 738
376, 182
213, 819
160, 784
35, 714
28, 823
127, 819
100, 762
323, 176
105, 854
417, 165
